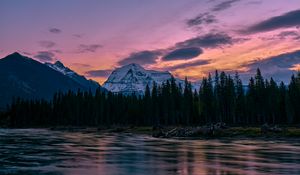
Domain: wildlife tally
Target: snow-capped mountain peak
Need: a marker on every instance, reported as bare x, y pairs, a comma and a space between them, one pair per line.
130, 71
133, 78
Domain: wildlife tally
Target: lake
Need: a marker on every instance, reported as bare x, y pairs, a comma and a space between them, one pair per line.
48, 152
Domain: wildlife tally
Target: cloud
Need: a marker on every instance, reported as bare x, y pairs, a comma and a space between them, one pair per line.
142, 57
201, 19
183, 54
45, 56
289, 34
224, 5
279, 67
85, 48
211, 40
80, 65
295, 67
283, 35
254, 2
47, 44
281, 61
56, 51
290, 19
185, 50
98, 73
55, 30
77, 35
188, 64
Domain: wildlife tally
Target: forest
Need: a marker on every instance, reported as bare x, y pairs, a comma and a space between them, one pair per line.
221, 98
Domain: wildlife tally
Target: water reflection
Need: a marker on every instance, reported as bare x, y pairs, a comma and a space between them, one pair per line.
39, 151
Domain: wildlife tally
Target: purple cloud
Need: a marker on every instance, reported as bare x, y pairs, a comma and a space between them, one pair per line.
55, 30
290, 19
183, 54
98, 73
224, 5
201, 19
189, 64
142, 58
211, 40
47, 44
45, 56
85, 48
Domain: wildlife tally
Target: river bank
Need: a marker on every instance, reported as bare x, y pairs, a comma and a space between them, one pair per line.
189, 132
185, 132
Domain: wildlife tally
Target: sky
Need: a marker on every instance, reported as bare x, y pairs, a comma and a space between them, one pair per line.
186, 37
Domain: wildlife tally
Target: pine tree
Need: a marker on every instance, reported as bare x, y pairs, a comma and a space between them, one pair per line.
239, 99
154, 97
206, 100
260, 98
251, 100
294, 96
282, 106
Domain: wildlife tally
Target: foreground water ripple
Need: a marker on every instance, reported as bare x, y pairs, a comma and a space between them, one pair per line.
48, 152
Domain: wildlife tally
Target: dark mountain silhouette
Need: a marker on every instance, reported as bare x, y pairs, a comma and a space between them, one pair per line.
24, 77
60, 67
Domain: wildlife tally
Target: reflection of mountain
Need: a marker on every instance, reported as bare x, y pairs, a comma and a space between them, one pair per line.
24, 77
133, 78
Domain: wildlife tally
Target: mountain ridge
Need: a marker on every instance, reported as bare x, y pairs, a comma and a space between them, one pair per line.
60, 67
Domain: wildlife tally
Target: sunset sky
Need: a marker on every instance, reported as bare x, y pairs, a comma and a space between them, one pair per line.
186, 37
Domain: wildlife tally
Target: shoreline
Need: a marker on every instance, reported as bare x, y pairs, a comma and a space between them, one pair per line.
230, 132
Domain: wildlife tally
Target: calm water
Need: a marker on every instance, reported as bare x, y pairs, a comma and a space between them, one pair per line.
38, 151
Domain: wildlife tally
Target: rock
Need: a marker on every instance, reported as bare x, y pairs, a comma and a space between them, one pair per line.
157, 127
265, 128
158, 133
220, 125
118, 130
276, 129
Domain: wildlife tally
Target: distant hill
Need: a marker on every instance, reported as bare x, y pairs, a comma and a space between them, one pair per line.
24, 77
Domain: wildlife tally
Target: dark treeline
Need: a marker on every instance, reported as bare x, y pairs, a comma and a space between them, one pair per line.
221, 98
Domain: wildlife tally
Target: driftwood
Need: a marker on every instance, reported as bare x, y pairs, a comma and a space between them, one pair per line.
207, 130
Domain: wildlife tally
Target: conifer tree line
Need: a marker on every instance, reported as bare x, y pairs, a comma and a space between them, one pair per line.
221, 98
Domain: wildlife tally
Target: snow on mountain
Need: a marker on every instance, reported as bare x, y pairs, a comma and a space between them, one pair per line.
133, 78
59, 67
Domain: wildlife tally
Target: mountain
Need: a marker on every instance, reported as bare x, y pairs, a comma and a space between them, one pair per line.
133, 78
87, 84
24, 77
